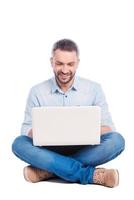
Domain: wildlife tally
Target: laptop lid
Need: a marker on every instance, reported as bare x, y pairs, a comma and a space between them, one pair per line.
73, 125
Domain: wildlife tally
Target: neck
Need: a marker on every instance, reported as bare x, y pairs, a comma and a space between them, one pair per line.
65, 87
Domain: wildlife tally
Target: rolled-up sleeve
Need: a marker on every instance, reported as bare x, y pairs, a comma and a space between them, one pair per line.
100, 100
31, 102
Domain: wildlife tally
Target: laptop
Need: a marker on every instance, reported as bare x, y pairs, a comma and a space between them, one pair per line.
66, 125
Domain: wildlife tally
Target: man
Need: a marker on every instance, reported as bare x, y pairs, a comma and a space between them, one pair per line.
71, 163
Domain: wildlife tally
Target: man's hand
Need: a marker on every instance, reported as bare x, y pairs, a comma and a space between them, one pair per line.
30, 133
105, 129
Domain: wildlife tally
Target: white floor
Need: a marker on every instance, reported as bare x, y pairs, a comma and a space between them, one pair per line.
104, 32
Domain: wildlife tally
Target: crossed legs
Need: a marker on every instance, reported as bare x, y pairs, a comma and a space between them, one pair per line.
75, 167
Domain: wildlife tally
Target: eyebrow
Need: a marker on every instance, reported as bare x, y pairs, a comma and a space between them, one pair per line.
72, 62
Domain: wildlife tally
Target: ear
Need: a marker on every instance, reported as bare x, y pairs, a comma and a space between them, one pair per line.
78, 61
51, 61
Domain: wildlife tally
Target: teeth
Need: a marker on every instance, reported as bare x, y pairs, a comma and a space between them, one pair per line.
64, 76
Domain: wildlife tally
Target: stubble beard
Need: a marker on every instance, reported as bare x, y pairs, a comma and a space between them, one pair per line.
64, 79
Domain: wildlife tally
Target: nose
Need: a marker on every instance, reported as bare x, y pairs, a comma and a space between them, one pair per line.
64, 69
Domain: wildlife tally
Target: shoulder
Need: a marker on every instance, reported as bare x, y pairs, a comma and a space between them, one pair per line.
88, 84
42, 86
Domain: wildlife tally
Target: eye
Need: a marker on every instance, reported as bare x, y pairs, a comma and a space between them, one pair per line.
71, 64
59, 63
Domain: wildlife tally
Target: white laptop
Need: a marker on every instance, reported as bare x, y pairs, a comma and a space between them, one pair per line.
73, 125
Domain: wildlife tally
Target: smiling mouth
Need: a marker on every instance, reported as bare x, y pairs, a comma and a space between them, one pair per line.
64, 76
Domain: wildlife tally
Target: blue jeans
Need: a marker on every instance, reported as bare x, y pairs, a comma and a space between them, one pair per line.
71, 163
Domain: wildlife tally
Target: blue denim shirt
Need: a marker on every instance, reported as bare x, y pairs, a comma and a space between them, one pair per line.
83, 92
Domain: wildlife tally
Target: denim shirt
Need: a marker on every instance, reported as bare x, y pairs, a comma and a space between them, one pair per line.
83, 92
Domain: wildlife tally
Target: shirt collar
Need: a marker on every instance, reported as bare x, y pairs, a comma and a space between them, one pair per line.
55, 88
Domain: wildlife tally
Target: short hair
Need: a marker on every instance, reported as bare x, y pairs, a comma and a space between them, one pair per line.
65, 45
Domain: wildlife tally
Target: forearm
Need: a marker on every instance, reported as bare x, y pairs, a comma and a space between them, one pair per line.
30, 133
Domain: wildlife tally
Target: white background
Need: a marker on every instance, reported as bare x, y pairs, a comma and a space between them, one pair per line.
104, 32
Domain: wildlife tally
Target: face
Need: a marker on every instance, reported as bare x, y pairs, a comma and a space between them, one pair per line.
64, 64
